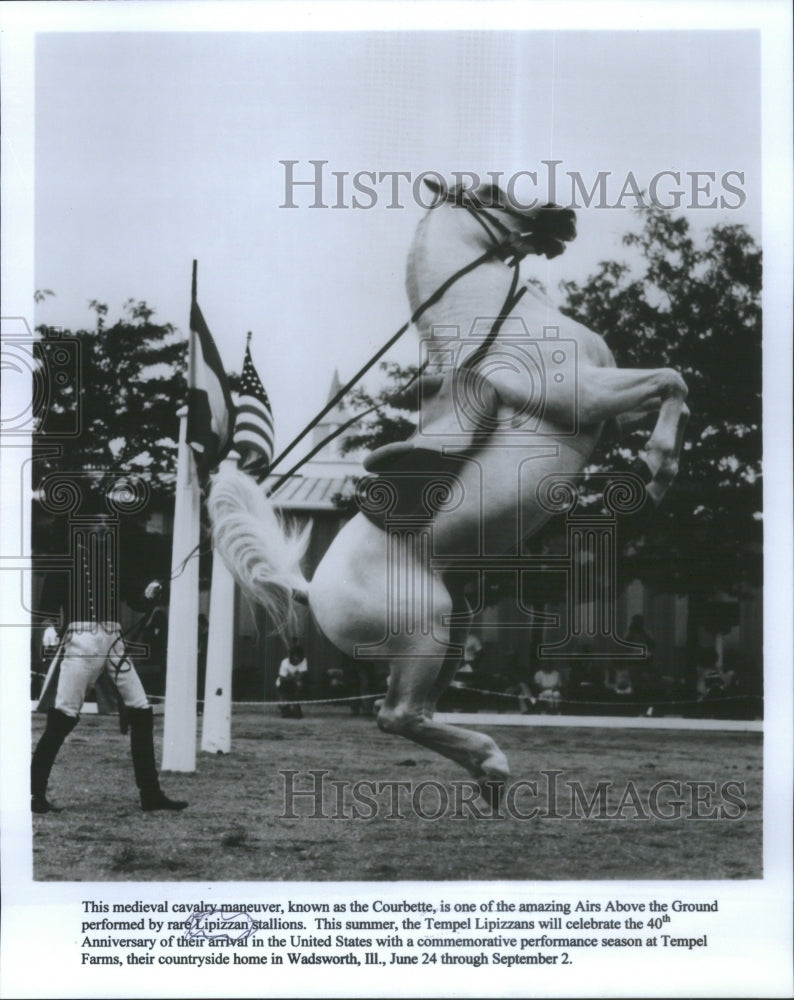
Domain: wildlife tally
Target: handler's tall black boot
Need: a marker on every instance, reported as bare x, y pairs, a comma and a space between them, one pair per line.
142, 746
58, 727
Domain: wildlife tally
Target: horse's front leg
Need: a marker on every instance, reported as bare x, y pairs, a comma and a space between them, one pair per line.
619, 395
664, 446
624, 396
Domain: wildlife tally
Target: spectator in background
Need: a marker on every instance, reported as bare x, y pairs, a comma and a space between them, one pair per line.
291, 681
714, 685
356, 675
471, 654
464, 677
548, 688
512, 680
587, 693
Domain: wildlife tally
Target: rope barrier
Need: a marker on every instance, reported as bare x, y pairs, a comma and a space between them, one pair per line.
680, 702
316, 701
634, 697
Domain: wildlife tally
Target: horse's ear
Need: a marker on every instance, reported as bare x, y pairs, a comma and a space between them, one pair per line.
439, 189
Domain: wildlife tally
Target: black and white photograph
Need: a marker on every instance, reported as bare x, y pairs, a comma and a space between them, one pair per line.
396, 499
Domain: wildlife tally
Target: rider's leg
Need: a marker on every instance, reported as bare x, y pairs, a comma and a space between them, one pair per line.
141, 719
82, 659
144, 765
59, 725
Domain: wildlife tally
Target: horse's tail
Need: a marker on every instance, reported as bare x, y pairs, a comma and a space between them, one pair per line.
262, 553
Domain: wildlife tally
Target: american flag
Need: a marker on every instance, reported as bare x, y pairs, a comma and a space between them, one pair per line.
253, 430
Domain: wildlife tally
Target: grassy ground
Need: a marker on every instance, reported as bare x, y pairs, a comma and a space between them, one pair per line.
235, 830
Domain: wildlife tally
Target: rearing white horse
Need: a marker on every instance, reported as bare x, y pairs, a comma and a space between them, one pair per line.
496, 411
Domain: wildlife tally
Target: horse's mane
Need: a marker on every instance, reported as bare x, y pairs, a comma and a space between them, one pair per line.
411, 265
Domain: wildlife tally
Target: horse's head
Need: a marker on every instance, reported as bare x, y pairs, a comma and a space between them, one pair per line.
481, 226
499, 220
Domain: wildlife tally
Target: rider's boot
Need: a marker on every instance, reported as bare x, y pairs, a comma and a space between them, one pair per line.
58, 727
142, 747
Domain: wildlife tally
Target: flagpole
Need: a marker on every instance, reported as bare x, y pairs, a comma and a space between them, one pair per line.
216, 730
179, 727
179, 730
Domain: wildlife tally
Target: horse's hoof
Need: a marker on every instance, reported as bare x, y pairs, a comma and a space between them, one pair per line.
492, 790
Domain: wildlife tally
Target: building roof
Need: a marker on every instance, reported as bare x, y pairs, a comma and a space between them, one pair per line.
329, 473
311, 492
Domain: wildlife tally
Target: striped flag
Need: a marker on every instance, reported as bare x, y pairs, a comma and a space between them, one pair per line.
210, 408
253, 429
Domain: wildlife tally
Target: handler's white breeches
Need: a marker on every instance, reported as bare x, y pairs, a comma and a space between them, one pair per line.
87, 648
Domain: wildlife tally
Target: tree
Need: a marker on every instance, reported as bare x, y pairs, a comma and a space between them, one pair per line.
111, 413
108, 413
393, 418
695, 309
126, 389
692, 308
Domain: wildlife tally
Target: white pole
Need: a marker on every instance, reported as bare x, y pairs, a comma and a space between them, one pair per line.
179, 736
216, 731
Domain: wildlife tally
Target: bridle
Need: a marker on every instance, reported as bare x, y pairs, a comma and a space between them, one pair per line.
542, 231
505, 246
504, 241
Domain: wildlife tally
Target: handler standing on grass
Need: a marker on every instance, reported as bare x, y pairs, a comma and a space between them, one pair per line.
93, 652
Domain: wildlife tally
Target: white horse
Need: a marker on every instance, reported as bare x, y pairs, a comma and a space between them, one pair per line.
524, 428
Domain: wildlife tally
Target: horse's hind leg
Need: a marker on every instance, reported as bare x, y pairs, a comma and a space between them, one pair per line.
458, 633
412, 685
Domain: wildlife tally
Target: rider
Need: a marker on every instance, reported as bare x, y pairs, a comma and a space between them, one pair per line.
92, 652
